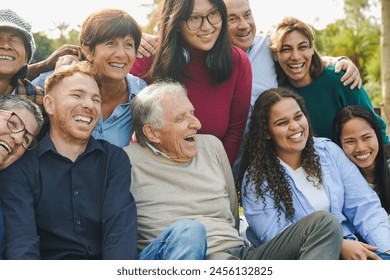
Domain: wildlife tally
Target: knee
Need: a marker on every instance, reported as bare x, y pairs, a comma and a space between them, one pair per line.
326, 220
192, 230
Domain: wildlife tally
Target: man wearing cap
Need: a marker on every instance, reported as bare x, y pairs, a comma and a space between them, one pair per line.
17, 47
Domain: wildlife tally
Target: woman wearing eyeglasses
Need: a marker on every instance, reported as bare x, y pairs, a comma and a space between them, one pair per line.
20, 122
193, 48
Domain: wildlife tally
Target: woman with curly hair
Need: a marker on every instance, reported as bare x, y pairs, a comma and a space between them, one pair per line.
286, 174
356, 131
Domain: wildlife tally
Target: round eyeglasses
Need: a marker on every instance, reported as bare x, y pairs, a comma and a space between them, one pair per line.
195, 22
16, 125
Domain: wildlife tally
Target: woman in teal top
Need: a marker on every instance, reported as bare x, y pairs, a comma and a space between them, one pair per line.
299, 65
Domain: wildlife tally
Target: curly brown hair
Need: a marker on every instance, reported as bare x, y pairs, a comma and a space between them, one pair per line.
260, 162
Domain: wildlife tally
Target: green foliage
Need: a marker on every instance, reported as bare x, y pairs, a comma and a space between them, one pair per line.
45, 46
358, 37
374, 91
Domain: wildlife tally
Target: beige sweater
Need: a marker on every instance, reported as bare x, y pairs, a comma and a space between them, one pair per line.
166, 191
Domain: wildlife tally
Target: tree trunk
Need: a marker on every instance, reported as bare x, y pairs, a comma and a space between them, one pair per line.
385, 60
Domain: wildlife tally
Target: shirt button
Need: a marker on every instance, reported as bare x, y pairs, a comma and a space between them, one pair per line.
78, 222
115, 118
75, 192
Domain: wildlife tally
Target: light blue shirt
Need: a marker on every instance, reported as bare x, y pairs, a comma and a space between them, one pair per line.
264, 77
118, 128
354, 204
263, 67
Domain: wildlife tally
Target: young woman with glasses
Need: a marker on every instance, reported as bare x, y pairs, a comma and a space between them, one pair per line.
193, 48
20, 122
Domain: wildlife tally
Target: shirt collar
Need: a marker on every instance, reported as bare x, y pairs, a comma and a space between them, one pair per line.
46, 145
157, 152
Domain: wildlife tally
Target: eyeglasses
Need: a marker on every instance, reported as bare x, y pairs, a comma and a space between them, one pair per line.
195, 22
16, 125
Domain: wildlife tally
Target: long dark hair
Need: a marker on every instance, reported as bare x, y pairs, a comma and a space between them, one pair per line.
168, 62
260, 160
282, 29
357, 111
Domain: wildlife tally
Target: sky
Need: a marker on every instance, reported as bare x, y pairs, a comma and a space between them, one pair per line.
44, 15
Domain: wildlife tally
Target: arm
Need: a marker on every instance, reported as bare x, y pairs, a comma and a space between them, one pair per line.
148, 45
352, 74
34, 70
239, 106
361, 205
227, 171
119, 215
20, 236
262, 218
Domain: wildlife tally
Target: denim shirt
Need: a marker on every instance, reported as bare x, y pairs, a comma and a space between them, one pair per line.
354, 204
118, 128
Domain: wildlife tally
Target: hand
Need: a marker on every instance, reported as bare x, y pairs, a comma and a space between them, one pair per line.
352, 74
61, 51
34, 70
355, 250
66, 60
147, 46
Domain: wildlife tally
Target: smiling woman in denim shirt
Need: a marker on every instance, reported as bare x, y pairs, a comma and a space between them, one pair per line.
109, 39
286, 174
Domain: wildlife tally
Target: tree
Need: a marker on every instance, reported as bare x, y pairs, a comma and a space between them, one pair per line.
151, 26
385, 58
45, 46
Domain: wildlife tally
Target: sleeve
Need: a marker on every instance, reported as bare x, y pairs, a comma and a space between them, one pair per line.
119, 211
239, 108
362, 206
227, 171
20, 232
360, 97
141, 67
262, 215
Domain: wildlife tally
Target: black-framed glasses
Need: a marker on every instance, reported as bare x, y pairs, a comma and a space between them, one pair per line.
195, 22
16, 125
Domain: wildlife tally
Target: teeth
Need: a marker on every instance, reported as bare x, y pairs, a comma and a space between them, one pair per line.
362, 157
296, 66
119, 65
296, 135
6, 57
88, 120
190, 138
243, 35
206, 36
6, 147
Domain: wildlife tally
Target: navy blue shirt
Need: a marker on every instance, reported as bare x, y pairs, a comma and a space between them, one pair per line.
58, 209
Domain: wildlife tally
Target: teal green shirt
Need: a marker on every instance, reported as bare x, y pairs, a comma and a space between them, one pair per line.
326, 95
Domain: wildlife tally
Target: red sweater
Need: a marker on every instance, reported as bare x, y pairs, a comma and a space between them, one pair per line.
221, 108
